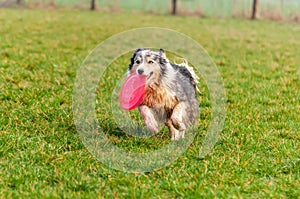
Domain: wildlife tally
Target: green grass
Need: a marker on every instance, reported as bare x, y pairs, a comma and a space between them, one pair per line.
41, 155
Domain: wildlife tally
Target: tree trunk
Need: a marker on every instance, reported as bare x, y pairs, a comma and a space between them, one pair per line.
19, 2
174, 7
93, 4
255, 10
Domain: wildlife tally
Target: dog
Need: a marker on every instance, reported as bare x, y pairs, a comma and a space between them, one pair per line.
170, 96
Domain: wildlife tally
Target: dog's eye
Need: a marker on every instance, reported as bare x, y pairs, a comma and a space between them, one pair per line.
150, 62
137, 61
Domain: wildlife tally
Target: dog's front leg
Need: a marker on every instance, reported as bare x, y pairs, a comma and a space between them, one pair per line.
174, 132
149, 118
177, 121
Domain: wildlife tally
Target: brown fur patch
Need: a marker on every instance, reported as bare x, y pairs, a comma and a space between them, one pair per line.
159, 95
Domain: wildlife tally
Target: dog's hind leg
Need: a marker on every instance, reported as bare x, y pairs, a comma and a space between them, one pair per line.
149, 119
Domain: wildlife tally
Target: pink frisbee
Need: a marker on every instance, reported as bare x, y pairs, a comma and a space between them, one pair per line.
132, 91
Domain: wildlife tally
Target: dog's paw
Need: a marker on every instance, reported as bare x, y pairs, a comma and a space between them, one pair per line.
177, 135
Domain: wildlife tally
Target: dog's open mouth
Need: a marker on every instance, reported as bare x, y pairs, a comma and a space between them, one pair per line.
149, 75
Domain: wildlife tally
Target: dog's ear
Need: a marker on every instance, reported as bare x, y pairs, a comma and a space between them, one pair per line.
162, 53
133, 56
162, 56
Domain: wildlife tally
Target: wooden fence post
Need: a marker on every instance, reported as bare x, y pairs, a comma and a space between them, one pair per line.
255, 10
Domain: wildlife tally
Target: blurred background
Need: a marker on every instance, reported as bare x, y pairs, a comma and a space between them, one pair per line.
265, 9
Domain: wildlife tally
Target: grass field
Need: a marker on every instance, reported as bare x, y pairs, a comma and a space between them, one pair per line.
41, 155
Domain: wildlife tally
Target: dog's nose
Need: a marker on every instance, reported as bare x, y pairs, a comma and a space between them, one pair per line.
140, 71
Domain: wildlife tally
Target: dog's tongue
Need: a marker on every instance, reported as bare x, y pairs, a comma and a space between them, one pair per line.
132, 91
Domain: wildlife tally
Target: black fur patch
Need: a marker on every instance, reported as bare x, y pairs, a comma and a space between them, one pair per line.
162, 59
133, 56
184, 71
163, 69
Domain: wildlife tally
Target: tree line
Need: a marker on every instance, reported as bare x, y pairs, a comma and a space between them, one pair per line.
254, 13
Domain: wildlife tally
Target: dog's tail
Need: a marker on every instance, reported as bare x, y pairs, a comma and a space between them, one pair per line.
191, 71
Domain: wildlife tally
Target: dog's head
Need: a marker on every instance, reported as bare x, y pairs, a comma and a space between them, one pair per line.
149, 63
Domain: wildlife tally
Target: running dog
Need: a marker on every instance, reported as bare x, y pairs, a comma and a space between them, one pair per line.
170, 96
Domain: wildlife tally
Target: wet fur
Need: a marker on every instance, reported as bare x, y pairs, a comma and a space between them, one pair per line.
170, 92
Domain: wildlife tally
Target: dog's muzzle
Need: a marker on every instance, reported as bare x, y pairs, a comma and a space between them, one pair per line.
140, 71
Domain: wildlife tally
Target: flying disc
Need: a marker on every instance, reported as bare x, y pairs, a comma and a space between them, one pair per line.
132, 91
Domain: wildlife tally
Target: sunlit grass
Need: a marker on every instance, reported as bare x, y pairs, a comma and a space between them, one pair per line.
41, 154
